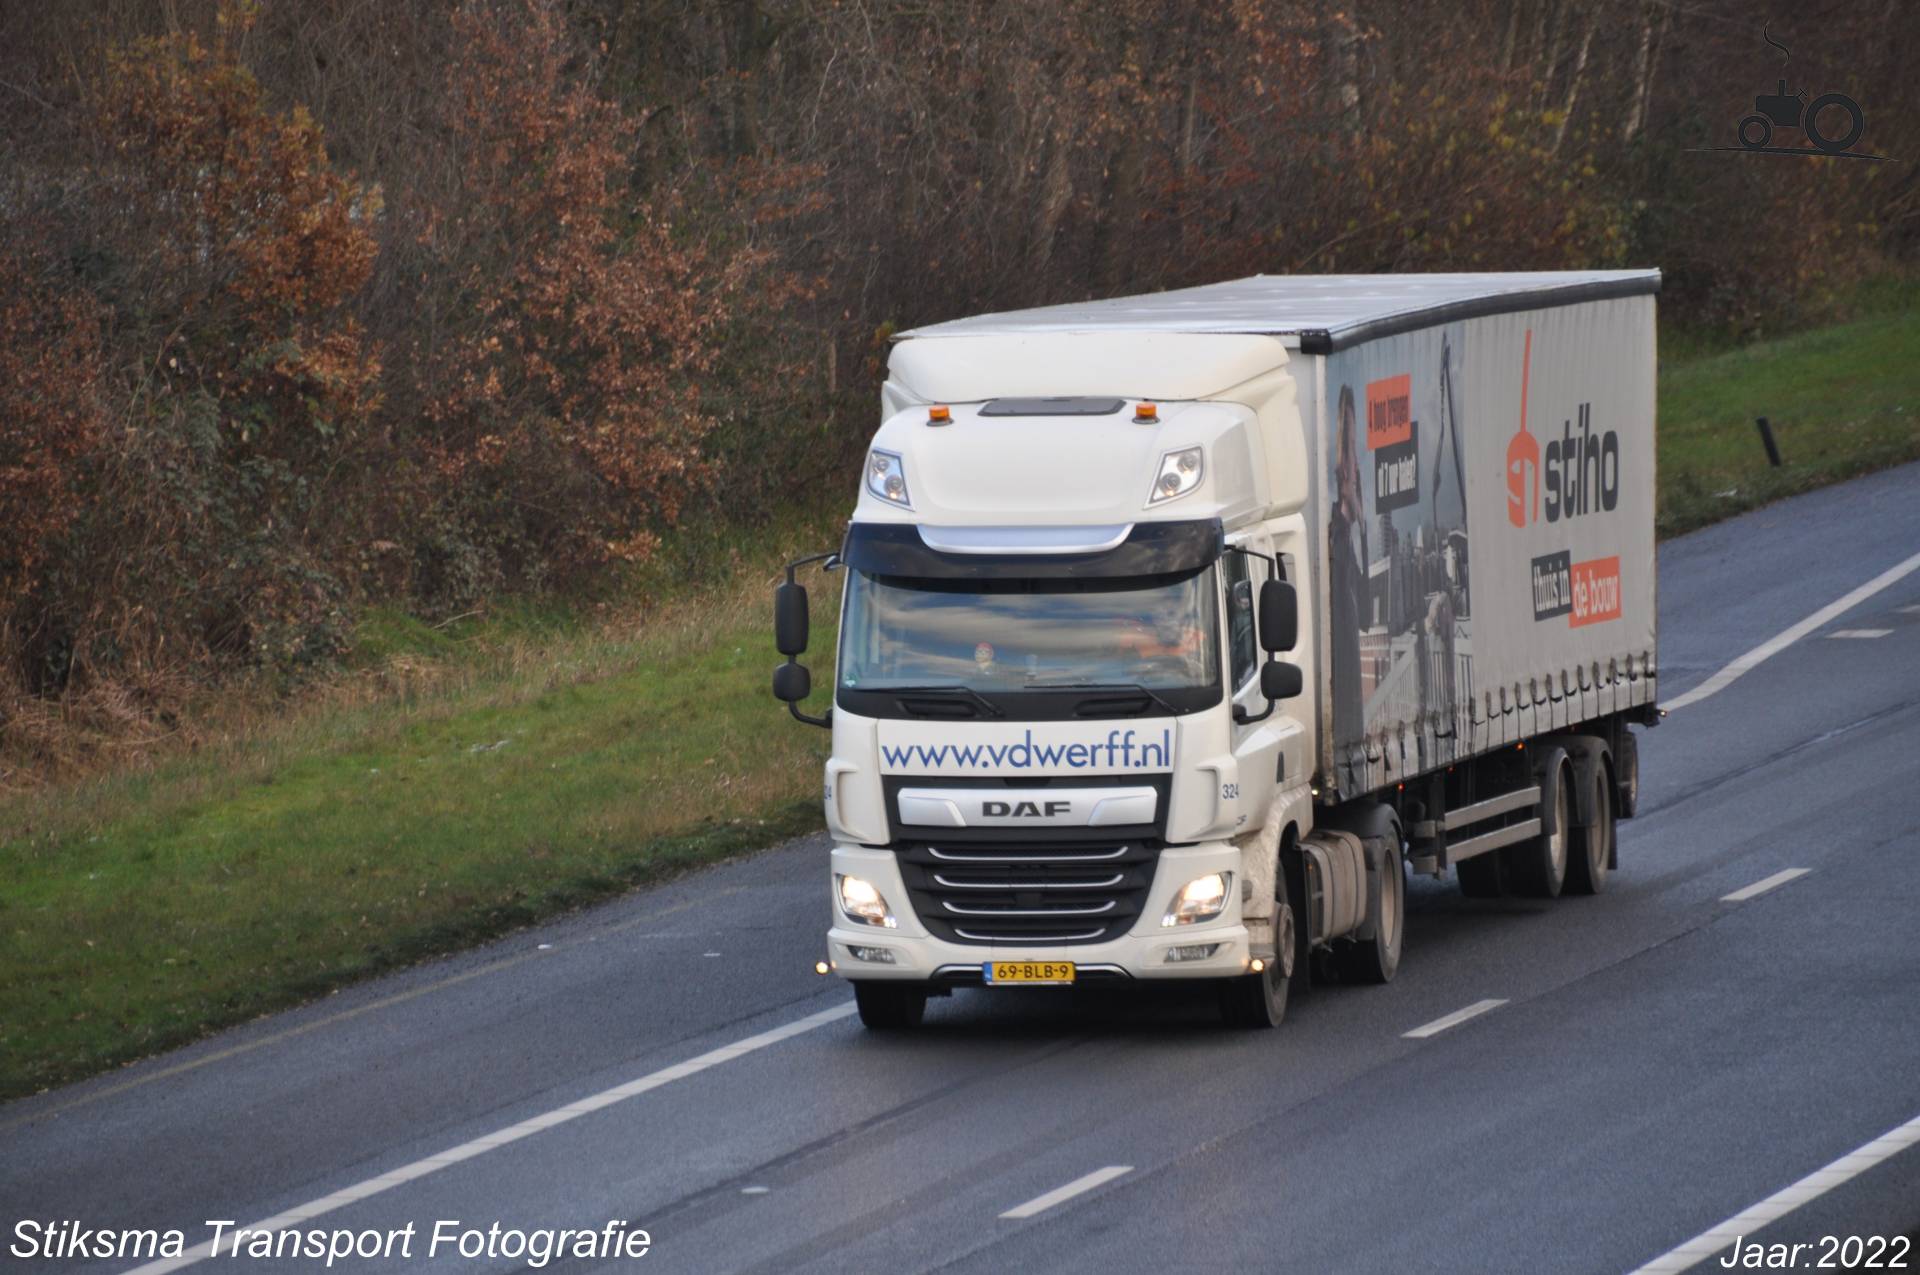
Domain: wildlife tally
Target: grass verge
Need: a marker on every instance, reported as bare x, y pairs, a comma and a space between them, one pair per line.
1841, 401
450, 789
460, 781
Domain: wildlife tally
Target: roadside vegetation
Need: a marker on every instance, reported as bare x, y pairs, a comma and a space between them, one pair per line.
314, 310
455, 783
1841, 401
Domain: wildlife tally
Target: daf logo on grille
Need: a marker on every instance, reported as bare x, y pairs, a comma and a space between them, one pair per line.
1025, 809
1102, 807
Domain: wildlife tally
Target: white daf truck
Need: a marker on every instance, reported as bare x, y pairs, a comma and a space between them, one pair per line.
1177, 629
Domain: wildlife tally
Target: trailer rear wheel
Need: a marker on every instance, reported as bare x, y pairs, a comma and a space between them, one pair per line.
1260, 1000
1539, 865
890, 1006
1587, 873
1374, 960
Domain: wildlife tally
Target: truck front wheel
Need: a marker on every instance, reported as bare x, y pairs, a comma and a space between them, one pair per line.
890, 1006
1260, 1000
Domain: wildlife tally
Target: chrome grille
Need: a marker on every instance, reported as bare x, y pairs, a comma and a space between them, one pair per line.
1028, 894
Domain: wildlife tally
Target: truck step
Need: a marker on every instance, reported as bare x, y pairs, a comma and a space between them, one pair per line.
1493, 840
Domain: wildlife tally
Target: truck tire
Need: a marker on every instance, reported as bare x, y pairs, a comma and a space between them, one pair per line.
1260, 1000
1294, 874
1374, 960
1626, 777
1593, 844
890, 1006
1538, 867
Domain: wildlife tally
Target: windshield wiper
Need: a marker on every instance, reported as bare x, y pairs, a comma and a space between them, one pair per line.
1126, 688
964, 692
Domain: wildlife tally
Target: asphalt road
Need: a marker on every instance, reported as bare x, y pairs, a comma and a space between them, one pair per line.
1662, 1059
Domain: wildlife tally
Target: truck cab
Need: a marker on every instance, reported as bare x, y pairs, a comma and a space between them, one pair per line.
1069, 696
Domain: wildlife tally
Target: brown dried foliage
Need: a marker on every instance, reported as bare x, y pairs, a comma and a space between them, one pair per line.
560, 391
311, 304
50, 414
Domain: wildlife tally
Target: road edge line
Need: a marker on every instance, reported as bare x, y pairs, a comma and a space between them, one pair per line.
512, 1133
1784, 1201
1780, 641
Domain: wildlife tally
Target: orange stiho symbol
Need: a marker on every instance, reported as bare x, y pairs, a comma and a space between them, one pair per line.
1523, 456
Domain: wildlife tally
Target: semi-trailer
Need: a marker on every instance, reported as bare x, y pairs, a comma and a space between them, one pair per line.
1176, 630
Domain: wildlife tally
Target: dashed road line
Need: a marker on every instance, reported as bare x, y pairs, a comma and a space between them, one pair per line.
1764, 884
1859, 633
1454, 1019
1061, 1194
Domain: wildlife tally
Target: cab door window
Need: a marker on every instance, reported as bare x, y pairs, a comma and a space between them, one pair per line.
1236, 571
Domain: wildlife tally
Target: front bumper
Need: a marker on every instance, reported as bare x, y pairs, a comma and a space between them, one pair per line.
1140, 953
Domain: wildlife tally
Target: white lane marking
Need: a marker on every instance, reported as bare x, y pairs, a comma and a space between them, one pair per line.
1454, 1019
1859, 633
1783, 1202
512, 1133
1764, 884
1787, 637
1061, 1194
1912, 610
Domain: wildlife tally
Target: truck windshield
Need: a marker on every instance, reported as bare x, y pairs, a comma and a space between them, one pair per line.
1158, 634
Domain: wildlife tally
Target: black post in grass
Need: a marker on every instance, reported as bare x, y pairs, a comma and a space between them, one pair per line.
1766, 437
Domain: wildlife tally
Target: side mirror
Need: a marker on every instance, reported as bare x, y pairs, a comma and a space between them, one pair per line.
1279, 617
1280, 680
790, 621
792, 683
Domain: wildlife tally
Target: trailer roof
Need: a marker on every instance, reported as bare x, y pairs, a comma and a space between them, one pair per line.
1325, 312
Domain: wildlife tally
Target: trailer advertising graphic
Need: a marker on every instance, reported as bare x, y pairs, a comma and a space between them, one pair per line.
1392, 437
1532, 430
1584, 592
1401, 621
1560, 479
1574, 475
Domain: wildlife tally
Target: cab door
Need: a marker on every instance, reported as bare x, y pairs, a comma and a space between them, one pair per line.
1247, 564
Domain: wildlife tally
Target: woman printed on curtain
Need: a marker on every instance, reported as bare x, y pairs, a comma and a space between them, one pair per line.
1347, 578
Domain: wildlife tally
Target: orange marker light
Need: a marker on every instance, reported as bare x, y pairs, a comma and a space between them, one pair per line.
1146, 413
939, 415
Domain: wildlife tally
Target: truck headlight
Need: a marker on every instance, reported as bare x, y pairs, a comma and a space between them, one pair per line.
1200, 899
1180, 472
862, 902
887, 478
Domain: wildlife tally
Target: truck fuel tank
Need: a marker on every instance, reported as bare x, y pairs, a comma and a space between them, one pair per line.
1336, 869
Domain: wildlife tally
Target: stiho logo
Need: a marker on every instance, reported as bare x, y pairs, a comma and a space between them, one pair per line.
1580, 470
